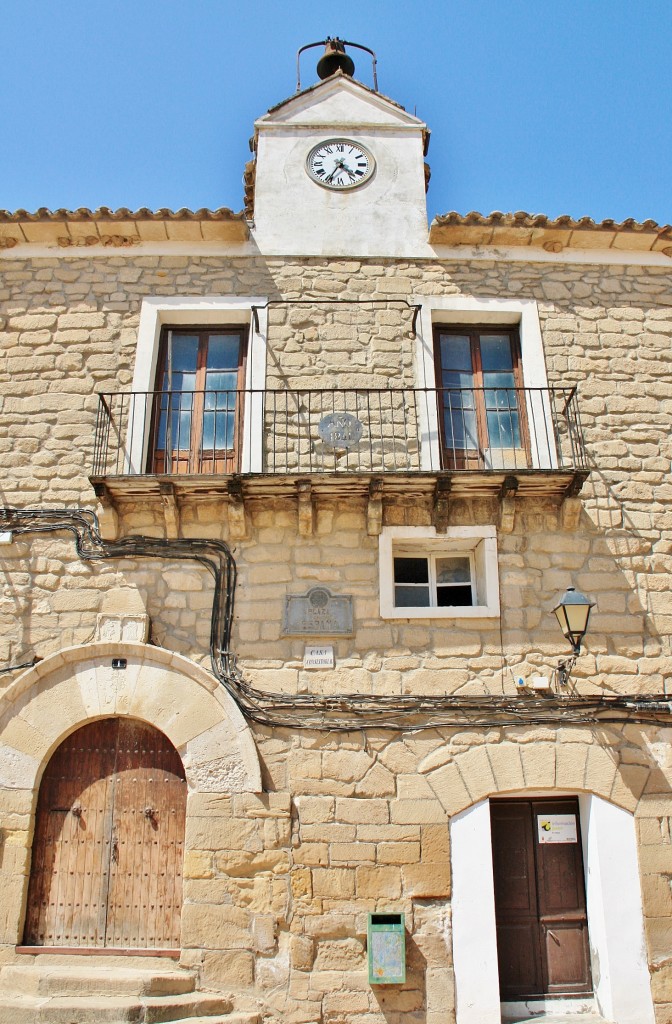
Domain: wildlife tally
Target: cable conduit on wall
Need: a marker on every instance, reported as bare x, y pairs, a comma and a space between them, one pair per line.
343, 712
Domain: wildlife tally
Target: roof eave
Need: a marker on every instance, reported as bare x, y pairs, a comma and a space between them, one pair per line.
552, 235
120, 228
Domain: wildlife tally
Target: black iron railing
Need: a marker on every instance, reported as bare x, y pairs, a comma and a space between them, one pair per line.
376, 430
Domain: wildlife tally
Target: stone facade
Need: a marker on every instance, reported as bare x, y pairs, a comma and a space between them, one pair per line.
286, 855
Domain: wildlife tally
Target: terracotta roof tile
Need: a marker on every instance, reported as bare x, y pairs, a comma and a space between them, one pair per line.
552, 234
123, 227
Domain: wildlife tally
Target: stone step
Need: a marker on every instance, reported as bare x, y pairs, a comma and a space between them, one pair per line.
196, 1004
35, 1010
57, 980
229, 1018
156, 964
109, 1009
558, 1018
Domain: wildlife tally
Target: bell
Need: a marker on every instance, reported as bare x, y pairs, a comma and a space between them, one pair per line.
333, 58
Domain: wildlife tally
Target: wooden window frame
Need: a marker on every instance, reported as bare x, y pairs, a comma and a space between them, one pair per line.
449, 454
197, 460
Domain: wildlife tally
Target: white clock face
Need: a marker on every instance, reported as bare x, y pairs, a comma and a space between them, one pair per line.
340, 164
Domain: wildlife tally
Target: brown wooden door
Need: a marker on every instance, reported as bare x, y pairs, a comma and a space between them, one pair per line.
108, 846
540, 901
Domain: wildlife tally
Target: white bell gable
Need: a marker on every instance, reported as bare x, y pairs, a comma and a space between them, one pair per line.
294, 215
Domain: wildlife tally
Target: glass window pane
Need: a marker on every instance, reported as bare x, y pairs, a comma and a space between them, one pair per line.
458, 379
457, 597
453, 570
460, 429
183, 354
411, 597
496, 352
223, 352
183, 382
218, 429
503, 430
502, 396
217, 380
455, 352
411, 570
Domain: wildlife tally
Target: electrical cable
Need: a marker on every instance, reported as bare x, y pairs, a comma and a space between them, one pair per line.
23, 664
343, 712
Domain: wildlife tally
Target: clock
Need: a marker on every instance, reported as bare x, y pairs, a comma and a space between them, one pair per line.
340, 164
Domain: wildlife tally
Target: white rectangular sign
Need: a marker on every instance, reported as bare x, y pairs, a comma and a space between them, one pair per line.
318, 657
556, 828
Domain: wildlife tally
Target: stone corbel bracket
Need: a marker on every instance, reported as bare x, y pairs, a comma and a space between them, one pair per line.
236, 509
304, 492
572, 504
441, 504
108, 520
374, 508
507, 504
171, 512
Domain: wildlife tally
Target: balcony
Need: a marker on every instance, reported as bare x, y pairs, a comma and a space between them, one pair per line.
478, 439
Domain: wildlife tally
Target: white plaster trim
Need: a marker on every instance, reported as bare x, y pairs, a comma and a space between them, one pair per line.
322, 92
614, 904
42, 250
320, 128
479, 541
458, 309
473, 917
202, 310
531, 1008
530, 254
437, 253
614, 907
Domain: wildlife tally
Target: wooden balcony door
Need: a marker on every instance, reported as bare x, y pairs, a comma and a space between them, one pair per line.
540, 899
108, 845
198, 405
481, 405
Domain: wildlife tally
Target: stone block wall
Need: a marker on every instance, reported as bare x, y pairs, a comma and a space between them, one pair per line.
278, 885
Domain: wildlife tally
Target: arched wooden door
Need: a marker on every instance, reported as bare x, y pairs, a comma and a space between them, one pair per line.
108, 846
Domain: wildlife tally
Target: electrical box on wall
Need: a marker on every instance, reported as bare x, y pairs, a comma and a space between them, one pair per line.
386, 943
540, 683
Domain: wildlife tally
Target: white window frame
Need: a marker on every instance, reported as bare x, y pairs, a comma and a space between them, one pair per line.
451, 309
202, 311
431, 556
477, 542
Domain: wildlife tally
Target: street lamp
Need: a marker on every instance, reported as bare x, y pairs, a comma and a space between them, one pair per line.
572, 613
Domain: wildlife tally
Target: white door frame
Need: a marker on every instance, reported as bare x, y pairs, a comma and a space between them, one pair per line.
613, 903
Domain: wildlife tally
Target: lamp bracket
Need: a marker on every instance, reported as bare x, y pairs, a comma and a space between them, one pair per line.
564, 669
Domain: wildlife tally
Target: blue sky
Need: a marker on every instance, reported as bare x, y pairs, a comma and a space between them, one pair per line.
550, 106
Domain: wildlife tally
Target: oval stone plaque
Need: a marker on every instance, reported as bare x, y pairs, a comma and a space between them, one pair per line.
340, 430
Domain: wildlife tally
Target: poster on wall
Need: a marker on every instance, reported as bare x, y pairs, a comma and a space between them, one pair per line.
556, 828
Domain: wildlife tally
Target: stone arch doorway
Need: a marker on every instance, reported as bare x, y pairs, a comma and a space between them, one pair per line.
108, 844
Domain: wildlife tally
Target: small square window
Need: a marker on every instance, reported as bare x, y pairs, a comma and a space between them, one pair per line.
433, 581
428, 575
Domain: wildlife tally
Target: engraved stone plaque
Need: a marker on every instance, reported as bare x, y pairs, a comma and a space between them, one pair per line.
318, 613
340, 430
